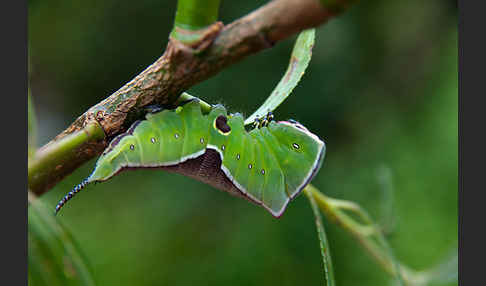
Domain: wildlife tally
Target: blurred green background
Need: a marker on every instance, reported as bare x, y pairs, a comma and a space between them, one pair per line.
381, 90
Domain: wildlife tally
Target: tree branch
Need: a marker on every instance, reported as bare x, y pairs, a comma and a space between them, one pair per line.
182, 65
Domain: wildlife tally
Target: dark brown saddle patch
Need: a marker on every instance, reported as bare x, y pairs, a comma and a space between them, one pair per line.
222, 125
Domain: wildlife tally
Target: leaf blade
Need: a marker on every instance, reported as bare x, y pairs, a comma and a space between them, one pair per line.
299, 60
31, 127
323, 243
54, 258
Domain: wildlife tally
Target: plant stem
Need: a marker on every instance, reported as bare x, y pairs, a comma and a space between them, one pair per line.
323, 243
379, 251
50, 161
193, 20
196, 14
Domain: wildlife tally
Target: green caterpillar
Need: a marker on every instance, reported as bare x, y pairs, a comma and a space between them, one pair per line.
268, 165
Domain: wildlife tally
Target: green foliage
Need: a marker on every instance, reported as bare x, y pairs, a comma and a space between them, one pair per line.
54, 258
379, 93
299, 60
31, 127
323, 243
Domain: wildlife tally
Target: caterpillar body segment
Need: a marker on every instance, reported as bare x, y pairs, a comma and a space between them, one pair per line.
269, 165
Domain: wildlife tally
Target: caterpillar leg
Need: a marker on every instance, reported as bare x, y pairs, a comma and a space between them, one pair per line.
270, 116
256, 123
189, 100
153, 108
267, 119
263, 122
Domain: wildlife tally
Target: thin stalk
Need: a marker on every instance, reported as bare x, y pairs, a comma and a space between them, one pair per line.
52, 157
196, 14
323, 243
364, 234
193, 18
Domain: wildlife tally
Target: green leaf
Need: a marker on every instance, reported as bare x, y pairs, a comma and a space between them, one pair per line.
324, 245
31, 127
53, 256
299, 60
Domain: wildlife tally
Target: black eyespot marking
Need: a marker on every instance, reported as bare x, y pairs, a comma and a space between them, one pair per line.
223, 147
250, 166
295, 145
152, 140
263, 171
221, 124
176, 136
201, 140
132, 147
237, 156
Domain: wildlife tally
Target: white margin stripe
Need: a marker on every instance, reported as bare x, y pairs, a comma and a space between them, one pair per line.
228, 174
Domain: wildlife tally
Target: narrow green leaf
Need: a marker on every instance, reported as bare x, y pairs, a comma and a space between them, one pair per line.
299, 60
324, 245
31, 127
53, 256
